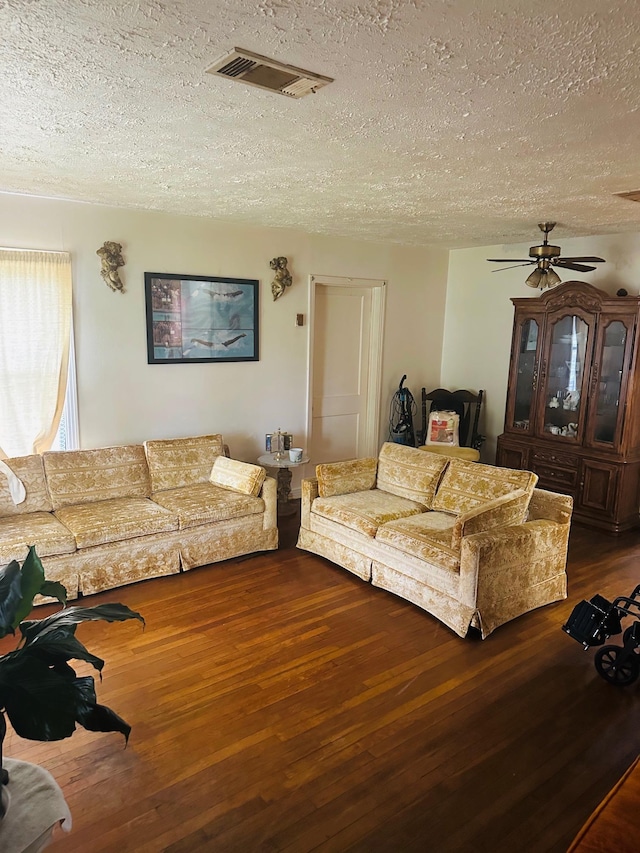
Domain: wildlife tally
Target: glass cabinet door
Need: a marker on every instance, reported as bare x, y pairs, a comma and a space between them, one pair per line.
521, 411
607, 382
564, 378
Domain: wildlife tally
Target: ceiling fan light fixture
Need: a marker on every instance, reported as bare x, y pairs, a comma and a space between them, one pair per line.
534, 280
543, 277
552, 278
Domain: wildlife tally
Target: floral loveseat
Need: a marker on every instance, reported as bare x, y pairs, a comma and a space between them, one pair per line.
472, 544
115, 515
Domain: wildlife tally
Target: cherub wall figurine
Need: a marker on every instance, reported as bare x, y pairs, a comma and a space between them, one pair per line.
111, 256
282, 278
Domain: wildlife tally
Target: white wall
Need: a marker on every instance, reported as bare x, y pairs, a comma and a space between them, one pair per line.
479, 312
123, 399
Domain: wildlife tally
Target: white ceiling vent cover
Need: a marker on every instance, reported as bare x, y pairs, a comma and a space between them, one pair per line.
255, 70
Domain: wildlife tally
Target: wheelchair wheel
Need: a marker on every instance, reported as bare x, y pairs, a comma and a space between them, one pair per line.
607, 665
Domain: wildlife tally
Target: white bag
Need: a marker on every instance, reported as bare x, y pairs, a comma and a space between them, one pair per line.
443, 428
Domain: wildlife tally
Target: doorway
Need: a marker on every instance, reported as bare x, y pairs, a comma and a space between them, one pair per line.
345, 367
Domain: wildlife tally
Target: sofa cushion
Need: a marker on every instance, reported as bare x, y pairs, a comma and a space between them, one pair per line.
409, 472
41, 529
237, 476
365, 511
467, 485
30, 471
177, 462
84, 476
114, 520
343, 478
505, 511
205, 503
427, 536
468, 453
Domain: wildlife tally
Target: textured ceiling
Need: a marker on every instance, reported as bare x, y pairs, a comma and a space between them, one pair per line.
450, 122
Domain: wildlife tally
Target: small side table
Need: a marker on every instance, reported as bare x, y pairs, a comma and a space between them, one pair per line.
283, 478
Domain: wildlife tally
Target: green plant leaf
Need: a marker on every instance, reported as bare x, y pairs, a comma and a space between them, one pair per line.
94, 717
31, 583
59, 646
18, 587
54, 589
70, 617
40, 703
10, 597
64, 669
99, 718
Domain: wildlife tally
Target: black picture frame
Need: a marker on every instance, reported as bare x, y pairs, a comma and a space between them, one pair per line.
193, 319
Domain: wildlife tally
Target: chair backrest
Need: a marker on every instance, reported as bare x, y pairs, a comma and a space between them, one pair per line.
464, 403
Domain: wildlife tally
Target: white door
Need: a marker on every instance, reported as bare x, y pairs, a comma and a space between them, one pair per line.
346, 358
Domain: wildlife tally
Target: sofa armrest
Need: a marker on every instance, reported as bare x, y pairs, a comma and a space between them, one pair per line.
550, 505
269, 494
508, 558
309, 492
500, 512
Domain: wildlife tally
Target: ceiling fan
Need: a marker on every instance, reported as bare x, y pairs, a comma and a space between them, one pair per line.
544, 257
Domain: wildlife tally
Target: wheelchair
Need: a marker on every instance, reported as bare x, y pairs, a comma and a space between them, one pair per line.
593, 622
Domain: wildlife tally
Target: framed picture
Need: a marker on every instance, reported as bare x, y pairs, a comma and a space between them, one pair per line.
197, 318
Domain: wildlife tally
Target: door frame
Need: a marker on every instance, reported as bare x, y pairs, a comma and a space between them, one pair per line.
378, 288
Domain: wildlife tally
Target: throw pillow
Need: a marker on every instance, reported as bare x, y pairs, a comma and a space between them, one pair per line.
237, 476
344, 478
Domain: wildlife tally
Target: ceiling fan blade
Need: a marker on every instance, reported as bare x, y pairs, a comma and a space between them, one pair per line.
502, 269
566, 265
587, 259
511, 260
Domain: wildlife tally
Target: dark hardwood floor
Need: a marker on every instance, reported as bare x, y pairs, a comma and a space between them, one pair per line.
279, 703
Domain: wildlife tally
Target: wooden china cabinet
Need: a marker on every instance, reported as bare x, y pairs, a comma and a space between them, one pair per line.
573, 401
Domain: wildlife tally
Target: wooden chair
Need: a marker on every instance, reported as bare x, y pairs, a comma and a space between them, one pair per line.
467, 404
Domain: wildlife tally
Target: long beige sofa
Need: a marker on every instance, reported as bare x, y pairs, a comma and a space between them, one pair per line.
474, 545
115, 515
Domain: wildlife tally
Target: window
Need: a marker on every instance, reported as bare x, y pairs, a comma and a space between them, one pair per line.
68, 435
35, 350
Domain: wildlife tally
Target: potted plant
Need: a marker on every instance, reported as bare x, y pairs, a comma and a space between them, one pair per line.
39, 690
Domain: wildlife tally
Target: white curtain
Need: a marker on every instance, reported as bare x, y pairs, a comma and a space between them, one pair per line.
35, 326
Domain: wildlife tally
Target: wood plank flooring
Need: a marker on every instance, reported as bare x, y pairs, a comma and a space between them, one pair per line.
279, 703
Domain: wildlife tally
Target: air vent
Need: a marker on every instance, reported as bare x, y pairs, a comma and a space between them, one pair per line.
634, 195
255, 70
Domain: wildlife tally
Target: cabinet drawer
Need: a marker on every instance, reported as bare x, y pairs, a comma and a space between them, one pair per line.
555, 470
551, 458
554, 477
